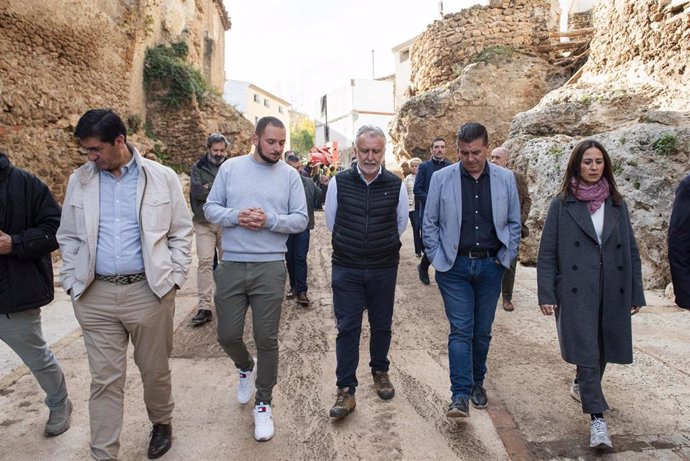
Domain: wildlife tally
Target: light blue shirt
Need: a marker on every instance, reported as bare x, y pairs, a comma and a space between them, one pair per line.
118, 250
331, 202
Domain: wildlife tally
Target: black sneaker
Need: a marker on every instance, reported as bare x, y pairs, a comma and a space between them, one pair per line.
458, 408
423, 275
478, 397
201, 317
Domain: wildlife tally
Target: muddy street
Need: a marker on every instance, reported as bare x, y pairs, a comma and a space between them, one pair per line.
530, 414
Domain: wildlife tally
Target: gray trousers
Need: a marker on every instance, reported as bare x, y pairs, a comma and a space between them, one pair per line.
261, 285
22, 332
589, 379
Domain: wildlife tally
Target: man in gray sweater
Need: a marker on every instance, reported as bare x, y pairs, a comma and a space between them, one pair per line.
259, 200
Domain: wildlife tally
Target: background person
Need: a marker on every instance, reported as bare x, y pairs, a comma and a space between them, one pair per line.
414, 216
298, 244
500, 156
589, 275
208, 236
421, 187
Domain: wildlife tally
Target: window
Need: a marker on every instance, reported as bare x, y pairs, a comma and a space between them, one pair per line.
266, 103
405, 55
256, 98
280, 109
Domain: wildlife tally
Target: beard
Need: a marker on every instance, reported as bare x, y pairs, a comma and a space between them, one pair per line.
216, 161
264, 157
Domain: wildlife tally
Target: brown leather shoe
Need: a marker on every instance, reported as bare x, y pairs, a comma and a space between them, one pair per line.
384, 387
508, 306
161, 440
303, 299
344, 404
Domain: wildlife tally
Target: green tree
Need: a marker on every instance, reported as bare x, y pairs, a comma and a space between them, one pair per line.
302, 131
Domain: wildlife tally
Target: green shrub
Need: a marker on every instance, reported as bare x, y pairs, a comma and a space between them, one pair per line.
133, 123
666, 145
166, 66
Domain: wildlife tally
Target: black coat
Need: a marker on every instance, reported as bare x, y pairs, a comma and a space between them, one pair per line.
31, 216
580, 276
679, 244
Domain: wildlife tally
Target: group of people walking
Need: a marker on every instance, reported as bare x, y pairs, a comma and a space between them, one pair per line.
125, 235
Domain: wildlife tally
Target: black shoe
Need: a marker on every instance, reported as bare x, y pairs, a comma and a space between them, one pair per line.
478, 397
161, 440
201, 317
458, 408
423, 275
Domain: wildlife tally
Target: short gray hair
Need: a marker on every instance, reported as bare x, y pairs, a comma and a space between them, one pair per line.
415, 161
369, 130
216, 138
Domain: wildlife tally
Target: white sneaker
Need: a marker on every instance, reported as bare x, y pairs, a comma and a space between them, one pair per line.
575, 391
599, 434
245, 386
263, 422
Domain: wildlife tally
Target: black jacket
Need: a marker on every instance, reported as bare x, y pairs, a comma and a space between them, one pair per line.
365, 234
679, 244
31, 216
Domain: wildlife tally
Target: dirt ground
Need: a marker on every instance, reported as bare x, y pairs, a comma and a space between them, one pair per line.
530, 415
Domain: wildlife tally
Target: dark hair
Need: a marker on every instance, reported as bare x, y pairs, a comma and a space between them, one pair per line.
264, 122
472, 131
215, 138
291, 157
436, 139
103, 124
573, 170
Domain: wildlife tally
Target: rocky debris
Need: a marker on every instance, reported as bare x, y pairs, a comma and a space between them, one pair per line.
502, 83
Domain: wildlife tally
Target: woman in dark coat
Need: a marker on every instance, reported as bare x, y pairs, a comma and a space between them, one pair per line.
589, 274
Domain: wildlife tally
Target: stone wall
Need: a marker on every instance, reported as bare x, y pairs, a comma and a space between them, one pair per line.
443, 50
644, 43
632, 97
63, 57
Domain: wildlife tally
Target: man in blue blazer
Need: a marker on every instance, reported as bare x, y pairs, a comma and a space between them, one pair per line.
471, 234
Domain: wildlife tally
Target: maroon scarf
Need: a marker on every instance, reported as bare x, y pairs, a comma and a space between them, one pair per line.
594, 194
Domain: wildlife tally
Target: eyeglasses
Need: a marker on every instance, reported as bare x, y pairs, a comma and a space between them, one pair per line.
89, 150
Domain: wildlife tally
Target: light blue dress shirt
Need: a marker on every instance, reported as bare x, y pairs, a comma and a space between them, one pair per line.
118, 250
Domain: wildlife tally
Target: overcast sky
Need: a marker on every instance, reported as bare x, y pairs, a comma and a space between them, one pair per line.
302, 49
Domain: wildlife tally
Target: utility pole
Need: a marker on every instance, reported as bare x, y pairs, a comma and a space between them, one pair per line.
372, 65
440, 8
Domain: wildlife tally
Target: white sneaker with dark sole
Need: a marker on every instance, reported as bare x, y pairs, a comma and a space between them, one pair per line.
263, 422
599, 434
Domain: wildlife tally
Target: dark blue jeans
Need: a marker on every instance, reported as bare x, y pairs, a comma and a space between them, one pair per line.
296, 260
470, 291
355, 290
416, 233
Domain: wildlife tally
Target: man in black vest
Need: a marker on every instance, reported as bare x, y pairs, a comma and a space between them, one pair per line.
366, 210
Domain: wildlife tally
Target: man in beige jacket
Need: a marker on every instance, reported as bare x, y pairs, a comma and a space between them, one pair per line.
125, 237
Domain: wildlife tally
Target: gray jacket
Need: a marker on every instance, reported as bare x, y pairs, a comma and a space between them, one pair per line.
443, 215
577, 274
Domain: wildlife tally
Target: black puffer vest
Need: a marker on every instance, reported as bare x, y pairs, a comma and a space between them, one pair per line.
365, 234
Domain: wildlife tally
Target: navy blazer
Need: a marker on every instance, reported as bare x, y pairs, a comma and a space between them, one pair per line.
443, 216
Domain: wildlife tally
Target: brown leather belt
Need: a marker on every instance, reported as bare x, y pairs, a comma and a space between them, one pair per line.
122, 279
